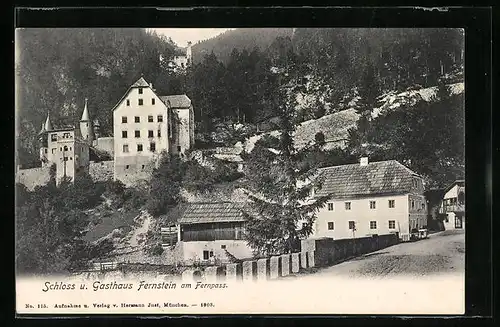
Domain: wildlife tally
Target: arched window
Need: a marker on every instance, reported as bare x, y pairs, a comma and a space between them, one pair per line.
65, 148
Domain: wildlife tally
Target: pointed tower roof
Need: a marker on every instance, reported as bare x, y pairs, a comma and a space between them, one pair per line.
85, 115
43, 129
48, 124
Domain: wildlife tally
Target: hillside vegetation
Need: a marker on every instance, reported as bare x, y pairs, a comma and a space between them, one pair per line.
373, 72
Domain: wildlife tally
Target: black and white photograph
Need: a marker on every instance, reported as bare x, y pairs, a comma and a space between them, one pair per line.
240, 170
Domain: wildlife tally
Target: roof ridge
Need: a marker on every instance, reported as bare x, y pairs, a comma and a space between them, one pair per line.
357, 164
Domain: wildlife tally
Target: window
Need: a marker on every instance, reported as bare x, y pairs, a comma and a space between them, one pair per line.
392, 203
159, 133
330, 206
54, 150
351, 225
45, 150
153, 101
69, 148
423, 206
150, 134
372, 204
412, 204
127, 167
160, 118
211, 254
124, 120
152, 146
223, 246
150, 119
140, 90
392, 224
65, 148
304, 225
141, 102
139, 147
348, 206
137, 133
128, 103
179, 148
142, 167
330, 225
124, 134
125, 148
137, 119
53, 137
373, 224
65, 158
70, 158
66, 135
205, 255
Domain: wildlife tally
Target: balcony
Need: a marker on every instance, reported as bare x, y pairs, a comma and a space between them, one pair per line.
457, 207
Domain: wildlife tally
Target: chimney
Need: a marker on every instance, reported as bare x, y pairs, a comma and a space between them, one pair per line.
363, 161
151, 85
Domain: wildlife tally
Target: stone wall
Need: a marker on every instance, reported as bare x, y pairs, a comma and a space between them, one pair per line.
101, 171
33, 177
314, 253
328, 251
105, 144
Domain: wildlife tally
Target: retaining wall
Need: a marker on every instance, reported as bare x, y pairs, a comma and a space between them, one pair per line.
315, 253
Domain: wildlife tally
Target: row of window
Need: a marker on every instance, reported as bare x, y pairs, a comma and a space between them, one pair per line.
137, 119
141, 102
373, 224
53, 137
373, 205
413, 206
137, 134
140, 148
152, 147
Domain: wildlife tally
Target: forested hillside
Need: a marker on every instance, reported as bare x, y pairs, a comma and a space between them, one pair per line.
241, 38
236, 77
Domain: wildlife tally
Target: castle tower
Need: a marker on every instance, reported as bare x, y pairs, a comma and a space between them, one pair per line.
86, 126
97, 131
189, 53
43, 140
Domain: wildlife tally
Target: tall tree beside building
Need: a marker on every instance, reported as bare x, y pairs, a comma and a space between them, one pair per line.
278, 201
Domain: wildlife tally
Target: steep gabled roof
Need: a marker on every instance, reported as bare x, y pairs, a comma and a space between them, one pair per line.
176, 101
204, 212
457, 182
376, 178
141, 82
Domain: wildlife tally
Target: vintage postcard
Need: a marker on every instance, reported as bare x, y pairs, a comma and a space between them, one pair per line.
240, 170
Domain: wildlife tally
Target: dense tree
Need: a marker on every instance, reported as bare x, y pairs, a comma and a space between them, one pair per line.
275, 170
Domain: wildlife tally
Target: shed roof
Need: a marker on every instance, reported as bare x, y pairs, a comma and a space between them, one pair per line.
204, 212
376, 178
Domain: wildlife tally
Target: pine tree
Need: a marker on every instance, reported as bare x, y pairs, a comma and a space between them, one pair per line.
278, 201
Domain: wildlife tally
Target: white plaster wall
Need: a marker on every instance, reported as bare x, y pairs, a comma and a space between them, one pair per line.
361, 214
147, 109
194, 250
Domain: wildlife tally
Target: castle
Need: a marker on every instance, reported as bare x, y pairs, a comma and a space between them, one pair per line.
179, 63
145, 125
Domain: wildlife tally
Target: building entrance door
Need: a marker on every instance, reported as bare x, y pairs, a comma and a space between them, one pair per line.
458, 221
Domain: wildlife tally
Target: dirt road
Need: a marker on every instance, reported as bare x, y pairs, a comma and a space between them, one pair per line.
441, 253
